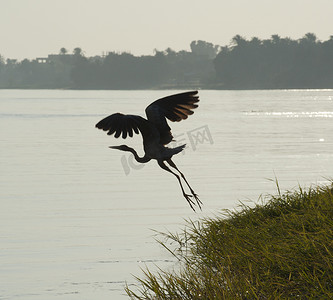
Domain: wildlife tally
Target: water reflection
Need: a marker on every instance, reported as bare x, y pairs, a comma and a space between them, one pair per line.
303, 114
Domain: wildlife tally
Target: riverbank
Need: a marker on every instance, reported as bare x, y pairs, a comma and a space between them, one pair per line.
281, 249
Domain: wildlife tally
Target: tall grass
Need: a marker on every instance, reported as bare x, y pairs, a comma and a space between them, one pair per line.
282, 249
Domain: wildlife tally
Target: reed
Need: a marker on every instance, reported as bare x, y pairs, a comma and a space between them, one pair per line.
281, 248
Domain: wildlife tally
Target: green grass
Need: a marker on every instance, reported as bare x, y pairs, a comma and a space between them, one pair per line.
282, 249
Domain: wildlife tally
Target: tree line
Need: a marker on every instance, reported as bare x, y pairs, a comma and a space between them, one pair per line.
244, 64
276, 63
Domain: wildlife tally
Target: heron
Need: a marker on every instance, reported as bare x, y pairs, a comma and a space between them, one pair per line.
156, 133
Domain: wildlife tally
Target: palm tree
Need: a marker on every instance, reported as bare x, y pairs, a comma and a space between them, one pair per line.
63, 51
77, 51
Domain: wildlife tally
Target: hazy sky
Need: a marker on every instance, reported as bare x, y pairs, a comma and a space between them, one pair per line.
35, 28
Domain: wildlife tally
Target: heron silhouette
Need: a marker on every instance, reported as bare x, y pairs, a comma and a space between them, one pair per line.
156, 133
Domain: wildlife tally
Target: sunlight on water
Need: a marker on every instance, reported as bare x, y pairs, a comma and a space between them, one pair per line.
302, 114
76, 217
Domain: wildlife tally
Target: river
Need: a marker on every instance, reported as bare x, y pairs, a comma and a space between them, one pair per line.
78, 219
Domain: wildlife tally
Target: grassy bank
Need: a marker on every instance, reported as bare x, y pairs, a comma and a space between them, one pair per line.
282, 249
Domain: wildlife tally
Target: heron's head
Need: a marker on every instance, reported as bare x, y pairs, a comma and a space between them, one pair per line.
121, 147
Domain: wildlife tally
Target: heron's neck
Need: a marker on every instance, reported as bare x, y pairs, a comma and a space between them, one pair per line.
139, 159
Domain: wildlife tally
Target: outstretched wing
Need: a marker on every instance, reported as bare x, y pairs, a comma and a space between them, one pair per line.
175, 108
123, 125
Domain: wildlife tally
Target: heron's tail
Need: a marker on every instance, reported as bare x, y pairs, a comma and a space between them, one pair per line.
178, 149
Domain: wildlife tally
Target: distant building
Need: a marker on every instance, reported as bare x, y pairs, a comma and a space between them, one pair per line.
55, 58
42, 60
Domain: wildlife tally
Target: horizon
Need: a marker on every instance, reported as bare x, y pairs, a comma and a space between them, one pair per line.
105, 53
41, 27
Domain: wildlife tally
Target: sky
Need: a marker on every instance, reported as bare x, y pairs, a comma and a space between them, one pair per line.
36, 28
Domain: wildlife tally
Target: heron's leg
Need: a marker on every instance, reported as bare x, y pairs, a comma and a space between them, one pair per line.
172, 164
186, 196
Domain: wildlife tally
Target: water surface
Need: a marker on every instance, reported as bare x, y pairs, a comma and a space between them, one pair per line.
76, 216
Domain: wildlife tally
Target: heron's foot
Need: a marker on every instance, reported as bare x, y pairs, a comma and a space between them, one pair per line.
189, 200
196, 197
